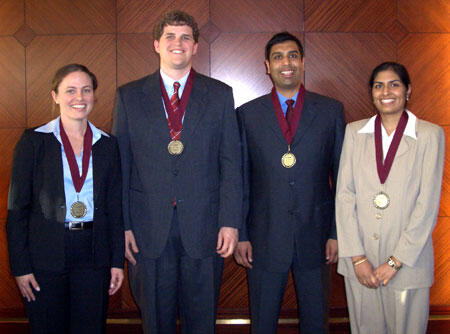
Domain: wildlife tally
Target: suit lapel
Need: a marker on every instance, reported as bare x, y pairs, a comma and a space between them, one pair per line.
57, 166
195, 109
268, 113
404, 146
152, 105
97, 168
306, 119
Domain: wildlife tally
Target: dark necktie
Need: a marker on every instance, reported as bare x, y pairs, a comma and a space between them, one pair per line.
290, 112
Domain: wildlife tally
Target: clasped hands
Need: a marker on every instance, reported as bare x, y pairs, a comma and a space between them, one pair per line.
370, 277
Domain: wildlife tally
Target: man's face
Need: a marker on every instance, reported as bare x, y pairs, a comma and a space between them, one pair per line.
285, 66
176, 48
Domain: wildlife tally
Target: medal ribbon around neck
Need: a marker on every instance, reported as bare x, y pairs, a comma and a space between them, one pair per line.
77, 180
174, 120
287, 133
383, 169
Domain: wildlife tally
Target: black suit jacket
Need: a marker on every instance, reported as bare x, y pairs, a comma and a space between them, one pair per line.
292, 209
205, 179
37, 207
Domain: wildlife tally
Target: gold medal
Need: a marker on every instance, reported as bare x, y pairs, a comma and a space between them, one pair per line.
78, 209
288, 159
175, 147
381, 200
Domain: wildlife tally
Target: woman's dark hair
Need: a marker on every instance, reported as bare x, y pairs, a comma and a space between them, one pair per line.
66, 70
399, 69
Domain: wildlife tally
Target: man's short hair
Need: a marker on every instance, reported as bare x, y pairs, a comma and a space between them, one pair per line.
280, 38
175, 18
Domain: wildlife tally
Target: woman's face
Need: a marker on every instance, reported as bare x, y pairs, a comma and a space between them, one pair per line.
389, 94
75, 96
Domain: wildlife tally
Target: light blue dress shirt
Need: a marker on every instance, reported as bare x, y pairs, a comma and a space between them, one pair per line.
86, 194
283, 100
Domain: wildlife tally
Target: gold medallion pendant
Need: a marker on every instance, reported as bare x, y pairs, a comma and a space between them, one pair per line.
175, 147
78, 209
381, 200
288, 160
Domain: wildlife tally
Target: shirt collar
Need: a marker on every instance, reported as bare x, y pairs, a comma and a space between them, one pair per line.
168, 83
283, 98
53, 127
410, 129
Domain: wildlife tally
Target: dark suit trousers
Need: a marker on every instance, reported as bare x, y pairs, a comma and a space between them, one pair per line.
174, 283
266, 296
74, 300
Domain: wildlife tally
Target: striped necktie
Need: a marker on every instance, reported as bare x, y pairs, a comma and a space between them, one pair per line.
175, 129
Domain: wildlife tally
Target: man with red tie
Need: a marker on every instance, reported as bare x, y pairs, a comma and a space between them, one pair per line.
292, 141
182, 183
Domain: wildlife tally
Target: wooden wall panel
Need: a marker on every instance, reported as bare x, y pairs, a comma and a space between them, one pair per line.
12, 83
440, 291
349, 16
425, 16
70, 17
47, 53
343, 41
141, 16
427, 58
238, 60
257, 15
9, 137
11, 16
339, 65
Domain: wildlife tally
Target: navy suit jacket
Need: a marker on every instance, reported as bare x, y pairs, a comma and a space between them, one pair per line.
205, 179
290, 209
37, 206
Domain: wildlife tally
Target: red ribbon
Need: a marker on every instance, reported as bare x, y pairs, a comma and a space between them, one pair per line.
87, 146
384, 169
285, 127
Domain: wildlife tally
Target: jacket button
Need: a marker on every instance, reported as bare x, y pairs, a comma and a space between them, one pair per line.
291, 183
175, 172
378, 215
375, 236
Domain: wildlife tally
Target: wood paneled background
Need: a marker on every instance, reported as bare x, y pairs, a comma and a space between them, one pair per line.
343, 42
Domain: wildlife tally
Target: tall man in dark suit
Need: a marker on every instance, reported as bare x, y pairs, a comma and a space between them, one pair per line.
292, 141
180, 149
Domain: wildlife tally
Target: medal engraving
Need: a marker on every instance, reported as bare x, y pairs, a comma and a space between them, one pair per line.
288, 160
78, 209
175, 147
381, 200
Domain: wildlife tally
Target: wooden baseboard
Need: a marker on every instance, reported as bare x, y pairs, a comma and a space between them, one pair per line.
438, 324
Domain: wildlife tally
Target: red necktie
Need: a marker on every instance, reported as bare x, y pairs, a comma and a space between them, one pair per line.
175, 129
290, 112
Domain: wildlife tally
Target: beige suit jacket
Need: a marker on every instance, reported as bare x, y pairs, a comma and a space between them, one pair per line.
404, 228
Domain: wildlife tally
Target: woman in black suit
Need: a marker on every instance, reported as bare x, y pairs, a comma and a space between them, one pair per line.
64, 225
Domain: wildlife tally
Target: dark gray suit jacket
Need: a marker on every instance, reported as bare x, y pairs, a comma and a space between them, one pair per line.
205, 179
37, 206
286, 207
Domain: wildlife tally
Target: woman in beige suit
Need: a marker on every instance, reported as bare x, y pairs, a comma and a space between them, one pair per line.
387, 201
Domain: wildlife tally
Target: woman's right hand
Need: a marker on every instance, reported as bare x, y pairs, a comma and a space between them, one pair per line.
366, 276
26, 284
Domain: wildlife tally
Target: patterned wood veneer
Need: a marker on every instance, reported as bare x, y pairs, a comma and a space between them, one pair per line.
343, 41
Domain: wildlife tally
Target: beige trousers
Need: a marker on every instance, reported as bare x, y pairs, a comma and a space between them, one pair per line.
386, 310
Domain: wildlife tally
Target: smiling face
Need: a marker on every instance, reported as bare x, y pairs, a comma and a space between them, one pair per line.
176, 48
75, 96
389, 94
286, 67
